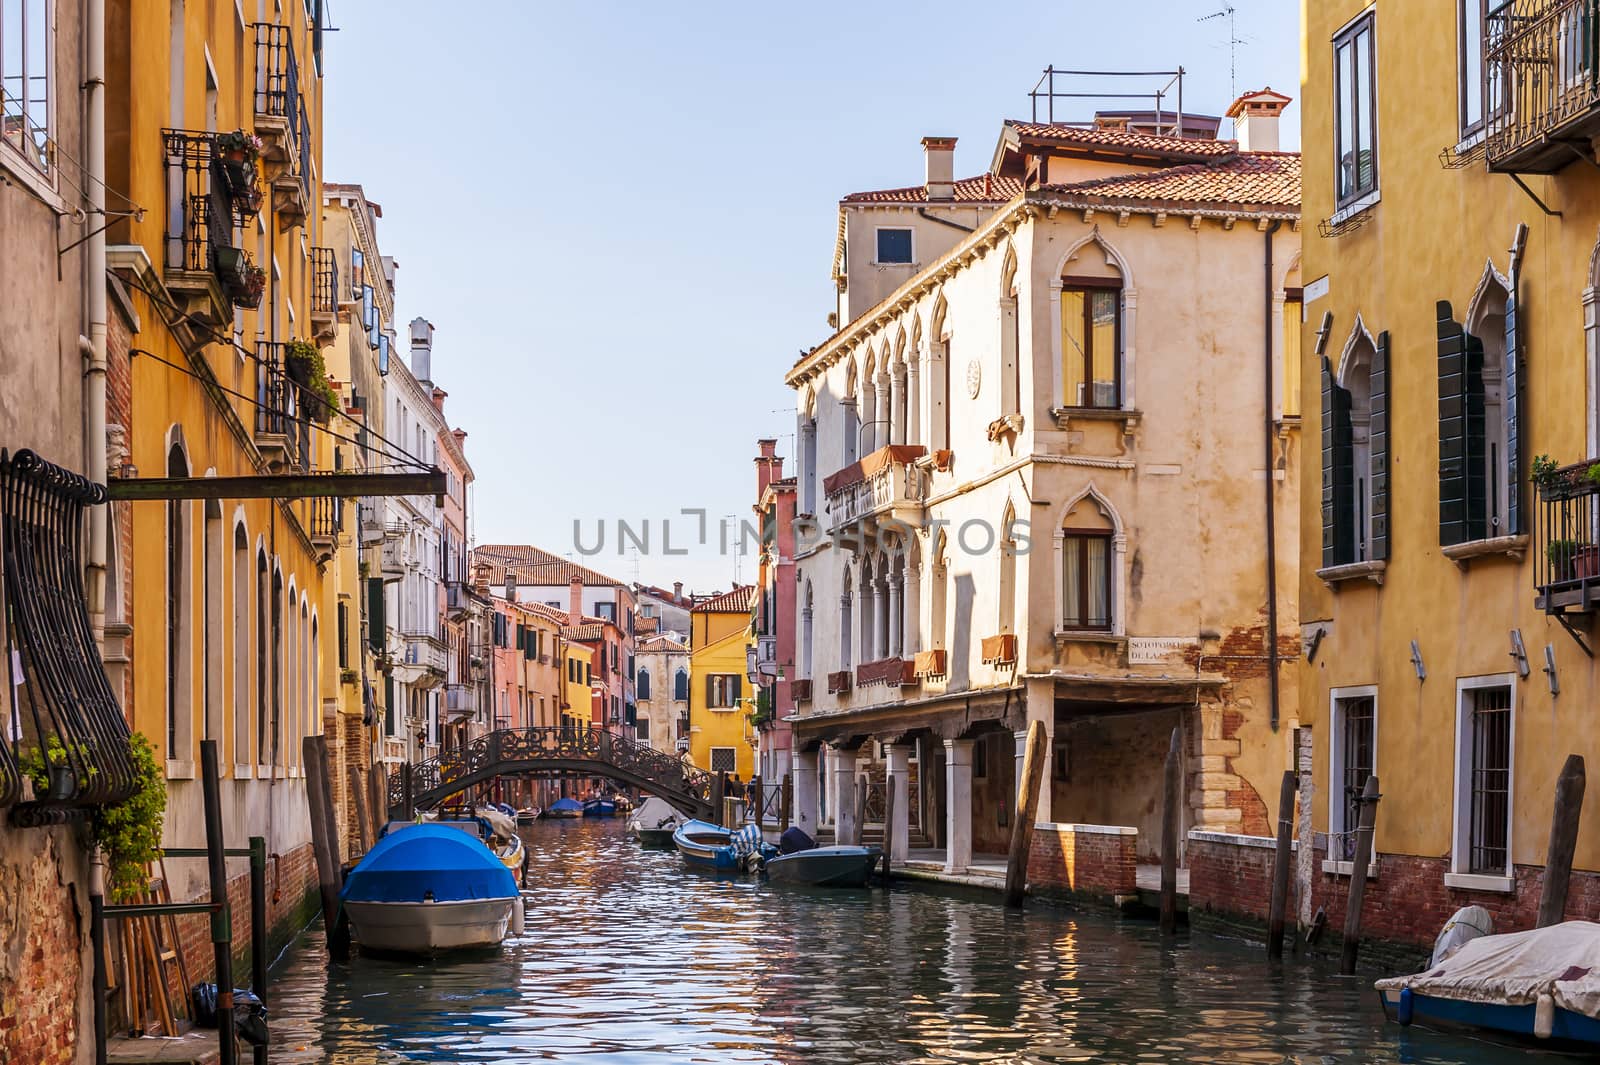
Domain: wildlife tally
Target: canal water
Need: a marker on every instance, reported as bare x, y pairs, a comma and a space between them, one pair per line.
631, 958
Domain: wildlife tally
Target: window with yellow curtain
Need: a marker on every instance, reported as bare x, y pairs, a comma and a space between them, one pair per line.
1091, 343
1292, 324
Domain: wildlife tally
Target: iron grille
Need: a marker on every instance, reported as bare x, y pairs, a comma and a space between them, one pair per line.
65, 715
277, 76
1356, 735
1491, 779
1540, 66
278, 407
1567, 567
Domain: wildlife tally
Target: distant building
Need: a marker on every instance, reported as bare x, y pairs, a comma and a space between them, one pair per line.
772, 662
661, 686
721, 738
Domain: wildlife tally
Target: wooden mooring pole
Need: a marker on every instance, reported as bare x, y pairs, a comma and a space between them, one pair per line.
888, 824
863, 785
324, 839
1563, 839
1170, 824
1280, 865
761, 802
1034, 759
222, 918
785, 803
1358, 876
719, 788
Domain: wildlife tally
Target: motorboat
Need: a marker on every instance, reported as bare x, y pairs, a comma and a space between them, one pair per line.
430, 888
599, 808
1541, 985
499, 831
708, 846
528, 815
801, 861
624, 804
654, 822
564, 808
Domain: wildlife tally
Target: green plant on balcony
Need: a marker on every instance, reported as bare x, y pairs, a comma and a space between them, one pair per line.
307, 369
239, 153
1543, 470
1572, 560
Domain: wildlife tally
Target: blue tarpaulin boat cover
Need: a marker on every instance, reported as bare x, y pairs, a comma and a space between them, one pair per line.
566, 804
413, 863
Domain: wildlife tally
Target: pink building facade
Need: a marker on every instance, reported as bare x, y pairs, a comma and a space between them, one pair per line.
772, 665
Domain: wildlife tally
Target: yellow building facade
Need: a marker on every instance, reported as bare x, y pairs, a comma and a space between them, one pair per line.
214, 137
1450, 315
720, 733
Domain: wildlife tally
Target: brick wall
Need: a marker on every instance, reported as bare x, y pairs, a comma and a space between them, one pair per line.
1406, 903
44, 930
1082, 860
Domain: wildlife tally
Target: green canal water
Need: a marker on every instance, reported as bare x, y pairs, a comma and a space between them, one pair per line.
631, 958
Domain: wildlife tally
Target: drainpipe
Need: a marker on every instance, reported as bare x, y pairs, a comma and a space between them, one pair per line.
1269, 431
94, 346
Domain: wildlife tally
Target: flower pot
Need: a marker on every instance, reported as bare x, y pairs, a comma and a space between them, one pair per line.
62, 783
1586, 562
229, 264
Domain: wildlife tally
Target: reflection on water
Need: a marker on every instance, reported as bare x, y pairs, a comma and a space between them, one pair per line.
630, 958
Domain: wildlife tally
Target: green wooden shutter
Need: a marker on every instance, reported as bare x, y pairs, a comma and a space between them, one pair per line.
377, 635
1338, 481
738, 689
1378, 430
1513, 404
1462, 487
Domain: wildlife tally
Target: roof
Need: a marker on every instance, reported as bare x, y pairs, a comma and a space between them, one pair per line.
736, 600
1262, 179
666, 641
1236, 108
549, 613
536, 566
985, 188
588, 631
1120, 141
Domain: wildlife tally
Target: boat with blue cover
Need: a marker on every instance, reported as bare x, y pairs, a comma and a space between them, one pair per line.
709, 846
565, 808
1541, 985
430, 888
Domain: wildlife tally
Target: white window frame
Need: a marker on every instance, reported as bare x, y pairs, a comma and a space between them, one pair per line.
1461, 791
1336, 773
902, 229
43, 183
711, 759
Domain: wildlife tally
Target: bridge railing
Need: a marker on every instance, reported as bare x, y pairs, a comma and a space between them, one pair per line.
514, 749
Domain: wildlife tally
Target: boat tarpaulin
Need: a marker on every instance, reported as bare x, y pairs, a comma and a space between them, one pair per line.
565, 804
656, 813
1515, 968
418, 862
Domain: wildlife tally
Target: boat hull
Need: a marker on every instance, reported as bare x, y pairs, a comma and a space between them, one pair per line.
826, 866
600, 808
429, 928
1569, 1030
656, 837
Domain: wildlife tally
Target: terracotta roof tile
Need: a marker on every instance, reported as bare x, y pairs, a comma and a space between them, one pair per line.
585, 633
736, 600
985, 188
536, 566
1119, 140
1263, 179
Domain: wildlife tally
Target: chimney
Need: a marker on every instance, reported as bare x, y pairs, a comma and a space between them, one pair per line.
1255, 119
575, 601
769, 467
940, 154
677, 591
422, 349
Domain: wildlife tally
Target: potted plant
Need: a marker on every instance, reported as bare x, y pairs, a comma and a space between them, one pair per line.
1573, 560
229, 263
306, 368
250, 287
238, 152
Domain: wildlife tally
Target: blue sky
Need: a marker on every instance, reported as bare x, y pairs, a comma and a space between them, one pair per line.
620, 217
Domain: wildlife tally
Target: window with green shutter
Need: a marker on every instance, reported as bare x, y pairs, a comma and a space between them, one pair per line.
377, 634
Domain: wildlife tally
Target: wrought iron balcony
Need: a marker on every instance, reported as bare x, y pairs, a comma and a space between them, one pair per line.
1540, 69
281, 122
324, 293
1567, 565
885, 484
326, 515
205, 270
282, 431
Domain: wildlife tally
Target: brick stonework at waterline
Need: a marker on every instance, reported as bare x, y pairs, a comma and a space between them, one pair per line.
1407, 902
1078, 860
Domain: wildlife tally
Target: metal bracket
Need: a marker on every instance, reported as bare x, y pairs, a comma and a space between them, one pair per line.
1519, 653
1523, 185
1575, 634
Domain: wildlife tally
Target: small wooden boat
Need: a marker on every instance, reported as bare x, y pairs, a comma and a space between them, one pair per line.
654, 822
826, 866
599, 808
565, 808
430, 888
1541, 985
623, 803
708, 846
528, 815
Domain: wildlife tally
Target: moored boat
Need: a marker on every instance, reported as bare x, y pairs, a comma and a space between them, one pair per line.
565, 808
709, 846
599, 808
654, 822
826, 866
430, 888
528, 815
1542, 984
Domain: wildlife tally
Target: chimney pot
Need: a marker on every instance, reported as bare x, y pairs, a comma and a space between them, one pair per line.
422, 349
575, 601
939, 153
1255, 119
677, 589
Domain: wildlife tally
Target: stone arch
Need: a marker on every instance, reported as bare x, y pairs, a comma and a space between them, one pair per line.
1117, 563
1357, 352
1008, 272
1114, 263
1113, 257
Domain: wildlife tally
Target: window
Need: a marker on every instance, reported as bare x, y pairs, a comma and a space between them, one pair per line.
1483, 777
641, 728
27, 40
1355, 453
1353, 758
1293, 319
724, 760
1091, 342
680, 686
980, 759
894, 245
607, 611
722, 690
1478, 420
1470, 80
1086, 581
178, 606
648, 610
642, 684
1355, 112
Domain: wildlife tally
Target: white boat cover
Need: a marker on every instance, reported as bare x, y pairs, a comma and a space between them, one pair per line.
655, 813
499, 823
1514, 969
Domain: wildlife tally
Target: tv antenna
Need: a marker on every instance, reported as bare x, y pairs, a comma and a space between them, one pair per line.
1234, 41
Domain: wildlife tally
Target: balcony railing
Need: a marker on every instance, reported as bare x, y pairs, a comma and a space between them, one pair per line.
324, 291
281, 118
457, 598
460, 700
283, 432
1567, 567
327, 519
201, 257
1543, 93
887, 483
